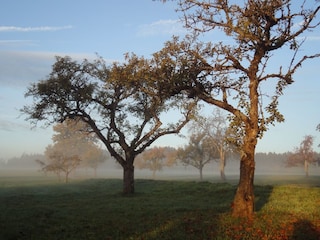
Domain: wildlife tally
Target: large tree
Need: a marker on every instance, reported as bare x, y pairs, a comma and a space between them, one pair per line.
235, 73
122, 103
303, 155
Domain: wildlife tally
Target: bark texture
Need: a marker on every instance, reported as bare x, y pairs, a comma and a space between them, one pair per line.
243, 205
128, 179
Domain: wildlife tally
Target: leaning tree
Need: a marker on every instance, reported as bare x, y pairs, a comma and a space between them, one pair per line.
236, 73
122, 103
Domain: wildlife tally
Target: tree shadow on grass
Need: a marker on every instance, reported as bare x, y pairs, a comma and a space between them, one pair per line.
262, 194
305, 230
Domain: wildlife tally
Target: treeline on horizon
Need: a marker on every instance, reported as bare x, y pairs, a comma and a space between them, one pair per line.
27, 160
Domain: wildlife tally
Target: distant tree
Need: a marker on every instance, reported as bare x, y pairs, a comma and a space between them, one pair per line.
215, 128
303, 155
154, 159
76, 133
59, 162
197, 153
72, 145
234, 73
25, 161
92, 158
122, 103
171, 154
271, 157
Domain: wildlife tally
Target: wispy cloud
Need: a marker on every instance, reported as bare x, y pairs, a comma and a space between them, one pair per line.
19, 68
313, 38
308, 38
33, 29
14, 42
162, 27
10, 126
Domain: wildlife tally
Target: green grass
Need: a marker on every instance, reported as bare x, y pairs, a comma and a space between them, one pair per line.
39, 208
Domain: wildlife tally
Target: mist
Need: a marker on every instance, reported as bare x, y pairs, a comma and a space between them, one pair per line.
266, 165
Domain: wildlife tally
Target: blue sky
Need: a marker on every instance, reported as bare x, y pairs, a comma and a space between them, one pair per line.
33, 32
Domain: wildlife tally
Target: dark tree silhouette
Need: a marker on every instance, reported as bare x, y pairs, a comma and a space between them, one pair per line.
122, 103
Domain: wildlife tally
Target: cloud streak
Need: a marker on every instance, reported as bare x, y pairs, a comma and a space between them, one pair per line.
33, 29
19, 68
313, 38
11, 126
162, 27
17, 43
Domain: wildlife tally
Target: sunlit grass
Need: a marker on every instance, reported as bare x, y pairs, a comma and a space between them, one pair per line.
290, 212
96, 209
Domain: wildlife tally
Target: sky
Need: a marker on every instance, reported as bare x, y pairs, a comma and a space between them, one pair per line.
32, 33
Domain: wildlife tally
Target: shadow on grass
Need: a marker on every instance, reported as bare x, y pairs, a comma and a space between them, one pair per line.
96, 209
262, 195
304, 229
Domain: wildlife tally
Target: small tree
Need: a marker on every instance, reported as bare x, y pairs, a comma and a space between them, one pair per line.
303, 155
72, 145
60, 162
122, 104
217, 133
197, 153
92, 158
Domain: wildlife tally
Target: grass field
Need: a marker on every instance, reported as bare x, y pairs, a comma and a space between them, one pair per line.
39, 208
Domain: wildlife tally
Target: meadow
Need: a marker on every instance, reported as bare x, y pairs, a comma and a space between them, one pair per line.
40, 208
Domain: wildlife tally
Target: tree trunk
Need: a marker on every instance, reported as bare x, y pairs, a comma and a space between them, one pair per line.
222, 174
201, 175
306, 168
222, 166
95, 172
243, 204
67, 177
59, 176
128, 179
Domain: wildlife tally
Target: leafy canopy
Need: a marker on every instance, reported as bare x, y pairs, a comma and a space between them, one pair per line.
123, 103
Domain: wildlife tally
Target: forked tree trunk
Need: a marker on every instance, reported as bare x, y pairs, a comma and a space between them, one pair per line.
128, 179
243, 204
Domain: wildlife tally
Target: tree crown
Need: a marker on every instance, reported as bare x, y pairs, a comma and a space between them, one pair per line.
122, 103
